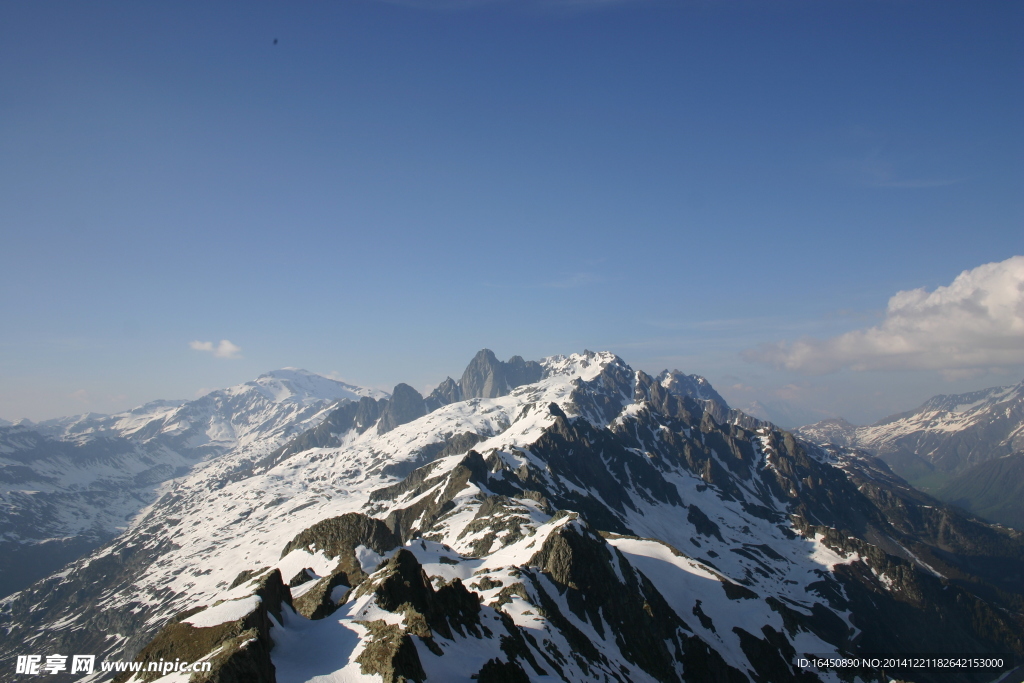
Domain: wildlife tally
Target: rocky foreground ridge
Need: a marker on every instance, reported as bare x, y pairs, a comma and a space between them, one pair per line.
567, 520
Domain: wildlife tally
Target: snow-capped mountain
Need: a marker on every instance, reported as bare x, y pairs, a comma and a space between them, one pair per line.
946, 435
579, 521
222, 419
961, 448
834, 430
68, 485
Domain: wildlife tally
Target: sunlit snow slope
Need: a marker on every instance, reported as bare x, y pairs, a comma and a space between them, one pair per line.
595, 524
68, 485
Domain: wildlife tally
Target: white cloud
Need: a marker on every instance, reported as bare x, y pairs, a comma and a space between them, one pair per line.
224, 349
975, 322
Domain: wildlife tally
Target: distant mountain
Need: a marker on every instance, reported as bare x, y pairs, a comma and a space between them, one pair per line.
945, 436
589, 523
993, 489
70, 484
694, 386
487, 377
836, 431
949, 434
959, 447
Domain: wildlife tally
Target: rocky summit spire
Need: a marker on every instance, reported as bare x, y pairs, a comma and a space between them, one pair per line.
484, 376
447, 392
406, 405
488, 377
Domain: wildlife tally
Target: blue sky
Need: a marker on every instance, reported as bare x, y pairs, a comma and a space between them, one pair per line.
394, 185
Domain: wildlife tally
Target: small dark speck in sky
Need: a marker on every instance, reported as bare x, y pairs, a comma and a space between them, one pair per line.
275, 41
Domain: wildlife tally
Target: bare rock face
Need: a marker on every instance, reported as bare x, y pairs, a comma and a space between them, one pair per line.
274, 593
406, 405
488, 377
484, 377
367, 413
519, 372
446, 393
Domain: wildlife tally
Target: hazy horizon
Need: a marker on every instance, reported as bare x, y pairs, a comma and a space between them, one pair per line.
780, 415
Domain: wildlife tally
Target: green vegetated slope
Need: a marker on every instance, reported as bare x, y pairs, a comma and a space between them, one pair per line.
993, 489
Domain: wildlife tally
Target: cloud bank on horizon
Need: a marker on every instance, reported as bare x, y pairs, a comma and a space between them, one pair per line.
977, 321
224, 349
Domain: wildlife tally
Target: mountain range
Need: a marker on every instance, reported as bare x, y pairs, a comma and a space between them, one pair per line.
967, 449
569, 519
69, 485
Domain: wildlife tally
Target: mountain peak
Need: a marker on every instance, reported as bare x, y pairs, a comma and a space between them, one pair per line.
488, 377
288, 372
834, 430
298, 385
589, 525
694, 386
586, 365
942, 438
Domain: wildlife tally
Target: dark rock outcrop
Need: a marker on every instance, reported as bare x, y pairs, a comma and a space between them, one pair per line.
484, 377
403, 586
405, 522
243, 646
600, 587
303, 576
390, 654
319, 601
339, 537
497, 671
519, 372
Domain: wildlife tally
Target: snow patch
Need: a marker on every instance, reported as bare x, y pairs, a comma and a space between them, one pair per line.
231, 610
